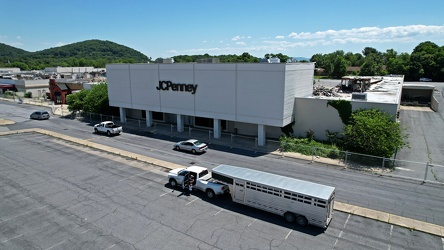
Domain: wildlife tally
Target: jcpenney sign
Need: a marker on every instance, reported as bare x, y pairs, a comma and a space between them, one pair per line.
167, 85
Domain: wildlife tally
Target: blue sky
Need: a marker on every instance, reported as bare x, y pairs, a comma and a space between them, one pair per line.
166, 28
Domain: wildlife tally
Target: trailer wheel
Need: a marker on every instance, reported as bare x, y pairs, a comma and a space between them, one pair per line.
290, 217
173, 183
301, 220
210, 193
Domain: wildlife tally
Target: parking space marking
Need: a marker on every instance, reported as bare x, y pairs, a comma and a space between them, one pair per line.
23, 214
390, 238
11, 238
110, 247
342, 231
163, 194
219, 211
67, 239
251, 223
442, 239
191, 201
404, 169
286, 237
129, 177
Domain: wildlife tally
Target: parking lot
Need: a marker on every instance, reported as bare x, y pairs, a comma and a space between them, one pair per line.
60, 195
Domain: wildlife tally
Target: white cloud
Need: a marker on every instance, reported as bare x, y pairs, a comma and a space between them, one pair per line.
328, 40
240, 37
370, 33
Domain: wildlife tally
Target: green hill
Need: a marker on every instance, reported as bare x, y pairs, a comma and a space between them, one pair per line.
94, 53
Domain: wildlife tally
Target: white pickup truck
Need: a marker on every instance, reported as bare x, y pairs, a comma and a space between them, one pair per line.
107, 127
204, 181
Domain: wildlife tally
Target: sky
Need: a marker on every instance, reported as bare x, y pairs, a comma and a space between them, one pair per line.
166, 28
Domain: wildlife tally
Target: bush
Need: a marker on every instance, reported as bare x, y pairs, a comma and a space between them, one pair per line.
28, 95
306, 146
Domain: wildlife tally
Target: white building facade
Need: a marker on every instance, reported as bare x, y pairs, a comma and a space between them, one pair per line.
256, 99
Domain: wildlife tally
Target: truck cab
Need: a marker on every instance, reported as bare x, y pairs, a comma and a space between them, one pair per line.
203, 180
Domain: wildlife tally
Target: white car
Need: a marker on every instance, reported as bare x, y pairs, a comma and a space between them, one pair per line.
192, 145
424, 79
204, 180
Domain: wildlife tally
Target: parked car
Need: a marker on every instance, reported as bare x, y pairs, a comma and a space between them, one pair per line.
40, 115
424, 79
192, 145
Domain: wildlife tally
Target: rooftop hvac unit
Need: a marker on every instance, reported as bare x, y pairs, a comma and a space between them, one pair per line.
359, 96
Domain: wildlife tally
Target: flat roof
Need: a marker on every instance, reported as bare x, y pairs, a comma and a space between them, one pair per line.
273, 180
383, 89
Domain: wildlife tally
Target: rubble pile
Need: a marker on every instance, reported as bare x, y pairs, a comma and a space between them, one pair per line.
324, 91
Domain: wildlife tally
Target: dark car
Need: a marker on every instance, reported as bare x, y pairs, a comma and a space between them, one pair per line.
40, 115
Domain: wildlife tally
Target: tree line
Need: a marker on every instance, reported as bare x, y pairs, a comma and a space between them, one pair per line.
92, 53
426, 60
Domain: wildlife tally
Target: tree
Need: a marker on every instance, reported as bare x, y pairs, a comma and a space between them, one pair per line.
75, 101
373, 132
398, 65
426, 60
339, 67
372, 65
94, 100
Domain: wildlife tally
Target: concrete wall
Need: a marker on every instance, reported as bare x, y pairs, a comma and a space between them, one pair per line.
251, 93
313, 113
38, 88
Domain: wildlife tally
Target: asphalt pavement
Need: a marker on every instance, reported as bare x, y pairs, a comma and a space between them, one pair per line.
343, 207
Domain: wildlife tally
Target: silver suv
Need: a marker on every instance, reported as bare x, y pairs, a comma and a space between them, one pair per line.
40, 115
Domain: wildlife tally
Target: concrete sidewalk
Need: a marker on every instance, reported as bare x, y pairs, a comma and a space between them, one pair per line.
339, 206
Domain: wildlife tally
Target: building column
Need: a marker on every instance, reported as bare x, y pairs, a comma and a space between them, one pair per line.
149, 118
179, 123
122, 112
217, 128
261, 135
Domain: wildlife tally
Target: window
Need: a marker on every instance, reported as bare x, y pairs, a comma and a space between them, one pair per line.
223, 178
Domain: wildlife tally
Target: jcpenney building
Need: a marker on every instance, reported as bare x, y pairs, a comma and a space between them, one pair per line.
255, 99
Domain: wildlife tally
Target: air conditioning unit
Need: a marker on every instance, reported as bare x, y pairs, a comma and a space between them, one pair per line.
359, 96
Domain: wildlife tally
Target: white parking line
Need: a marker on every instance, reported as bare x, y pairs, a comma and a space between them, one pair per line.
191, 201
251, 223
286, 237
163, 194
404, 169
390, 238
219, 211
110, 247
67, 239
11, 239
134, 176
23, 214
342, 231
